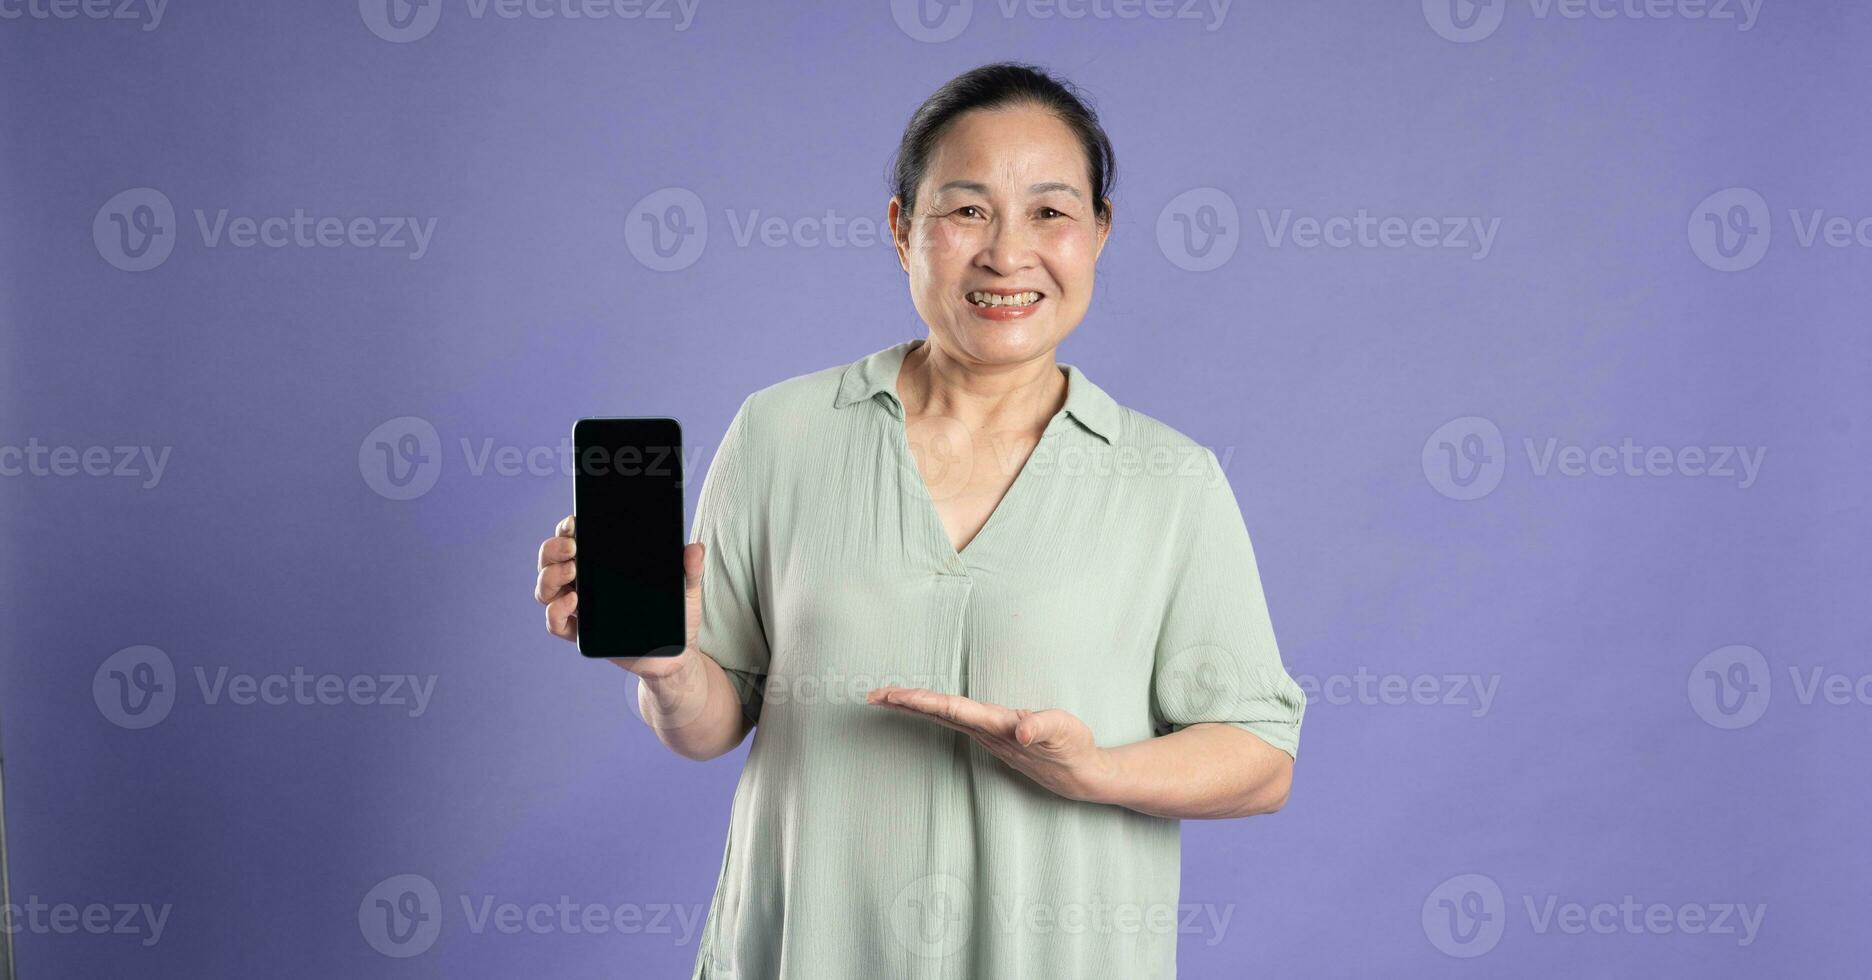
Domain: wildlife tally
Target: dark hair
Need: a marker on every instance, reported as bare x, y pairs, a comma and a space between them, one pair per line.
1001, 85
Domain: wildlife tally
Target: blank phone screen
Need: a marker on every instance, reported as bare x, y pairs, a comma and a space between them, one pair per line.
628, 510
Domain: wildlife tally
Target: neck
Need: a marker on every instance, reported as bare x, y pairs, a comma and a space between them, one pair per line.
983, 397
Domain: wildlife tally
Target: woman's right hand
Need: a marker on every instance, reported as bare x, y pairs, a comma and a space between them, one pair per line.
556, 589
688, 699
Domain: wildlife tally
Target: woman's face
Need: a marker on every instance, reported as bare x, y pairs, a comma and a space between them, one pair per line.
1005, 207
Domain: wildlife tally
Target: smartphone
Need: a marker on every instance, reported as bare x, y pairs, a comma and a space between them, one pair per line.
627, 490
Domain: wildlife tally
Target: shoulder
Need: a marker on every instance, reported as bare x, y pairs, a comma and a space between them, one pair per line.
788, 409
1169, 458
1119, 426
1143, 431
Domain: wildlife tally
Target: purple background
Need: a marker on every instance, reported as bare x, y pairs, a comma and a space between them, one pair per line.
1587, 601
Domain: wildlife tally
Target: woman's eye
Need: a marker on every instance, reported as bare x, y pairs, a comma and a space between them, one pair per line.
964, 209
1051, 213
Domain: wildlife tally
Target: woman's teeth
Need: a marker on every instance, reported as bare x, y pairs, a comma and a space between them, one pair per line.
992, 299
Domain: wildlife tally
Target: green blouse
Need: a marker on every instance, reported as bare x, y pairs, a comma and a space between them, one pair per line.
1115, 580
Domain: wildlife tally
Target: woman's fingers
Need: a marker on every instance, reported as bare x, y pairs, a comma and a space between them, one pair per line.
953, 710
1047, 729
553, 580
1003, 731
553, 588
562, 616
692, 593
556, 550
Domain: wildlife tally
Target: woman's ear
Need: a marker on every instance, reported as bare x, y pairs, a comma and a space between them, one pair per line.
1104, 228
900, 232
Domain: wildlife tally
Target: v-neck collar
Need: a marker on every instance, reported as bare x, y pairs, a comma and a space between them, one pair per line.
864, 379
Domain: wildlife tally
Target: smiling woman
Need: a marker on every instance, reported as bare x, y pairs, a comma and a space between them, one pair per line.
1002, 245
994, 632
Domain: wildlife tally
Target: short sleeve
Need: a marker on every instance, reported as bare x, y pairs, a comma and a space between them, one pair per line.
728, 520
1216, 660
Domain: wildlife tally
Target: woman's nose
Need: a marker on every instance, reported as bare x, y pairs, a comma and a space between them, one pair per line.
1010, 247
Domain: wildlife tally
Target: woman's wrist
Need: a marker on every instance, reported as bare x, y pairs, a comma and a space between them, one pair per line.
659, 670
671, 681
1103, 779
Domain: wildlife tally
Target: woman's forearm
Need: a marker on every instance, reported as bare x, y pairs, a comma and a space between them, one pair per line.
1203, 772
694, 709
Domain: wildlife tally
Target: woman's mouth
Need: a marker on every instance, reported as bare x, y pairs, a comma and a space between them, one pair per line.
1004, 305
980, 298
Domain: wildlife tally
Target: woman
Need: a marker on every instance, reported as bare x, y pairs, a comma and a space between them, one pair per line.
997, 632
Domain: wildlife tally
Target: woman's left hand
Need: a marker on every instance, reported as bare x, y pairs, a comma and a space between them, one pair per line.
1052, 747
